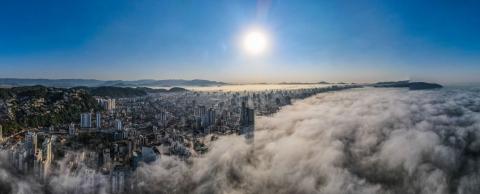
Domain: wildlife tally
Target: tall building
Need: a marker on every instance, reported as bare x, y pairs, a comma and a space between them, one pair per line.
247, 122
211, 116
47, 155
98, 120
34, 143
106, 158
29, 142
71, 129
86, 120
111, 104
118, 124
162, 119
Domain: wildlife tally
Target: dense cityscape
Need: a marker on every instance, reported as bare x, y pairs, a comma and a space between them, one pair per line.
123, 133
239, 97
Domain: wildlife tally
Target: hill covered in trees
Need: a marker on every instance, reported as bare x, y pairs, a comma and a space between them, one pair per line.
39, 106
125, 92
408, 84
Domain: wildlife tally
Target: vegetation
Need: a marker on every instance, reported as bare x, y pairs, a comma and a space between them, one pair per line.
125, 92
408, 84
38, 106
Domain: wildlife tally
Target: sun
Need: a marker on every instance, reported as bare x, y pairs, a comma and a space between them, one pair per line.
255, 42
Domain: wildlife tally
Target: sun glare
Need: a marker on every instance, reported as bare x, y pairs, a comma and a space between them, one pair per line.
255, 42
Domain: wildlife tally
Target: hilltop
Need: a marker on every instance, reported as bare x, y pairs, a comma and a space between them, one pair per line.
407, 84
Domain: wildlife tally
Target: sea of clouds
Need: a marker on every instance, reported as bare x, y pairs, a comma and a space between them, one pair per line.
354, 141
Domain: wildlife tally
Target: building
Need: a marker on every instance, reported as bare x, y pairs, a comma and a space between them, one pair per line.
71, 129
112, 104
118, 180
46, 156
31, 140
118, 124
162, 119
106, 158
1, 133
98, 120
108, 104
247, 122
86, 120
200, 111
211, 116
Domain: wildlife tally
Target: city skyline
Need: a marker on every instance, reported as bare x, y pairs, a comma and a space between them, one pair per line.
239, 96
309, 41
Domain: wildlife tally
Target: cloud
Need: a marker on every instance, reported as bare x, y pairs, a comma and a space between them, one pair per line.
356, 141
13, 182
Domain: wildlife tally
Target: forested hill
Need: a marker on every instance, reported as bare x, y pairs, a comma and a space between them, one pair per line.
39, 106
125, 92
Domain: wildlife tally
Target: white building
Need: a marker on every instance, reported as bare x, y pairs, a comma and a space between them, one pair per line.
86, 120
118, 124
71, 129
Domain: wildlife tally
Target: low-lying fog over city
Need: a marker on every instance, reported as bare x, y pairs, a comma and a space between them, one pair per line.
239, 97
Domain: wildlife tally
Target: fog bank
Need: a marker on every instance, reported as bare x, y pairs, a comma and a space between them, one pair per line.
354, 141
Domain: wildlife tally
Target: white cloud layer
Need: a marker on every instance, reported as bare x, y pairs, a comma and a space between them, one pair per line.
355, 141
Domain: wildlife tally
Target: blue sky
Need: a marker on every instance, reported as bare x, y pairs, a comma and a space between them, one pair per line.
359, 41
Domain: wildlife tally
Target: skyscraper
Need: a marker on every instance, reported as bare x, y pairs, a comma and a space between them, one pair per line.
111, 104
247, 122
86, 120
98, 120
118, 124
211, 116
47, 154
29, 142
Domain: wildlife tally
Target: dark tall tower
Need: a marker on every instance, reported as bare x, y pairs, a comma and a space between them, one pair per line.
247, 122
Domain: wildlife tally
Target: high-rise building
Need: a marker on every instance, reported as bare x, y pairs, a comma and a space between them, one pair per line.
106, 158
211, 116
29, 142
86, 120
200, 111
98, 120
108, 104
118, 124
247, 122
111, 104
47, 155
162, 119
35, 143
71, 129
1, 133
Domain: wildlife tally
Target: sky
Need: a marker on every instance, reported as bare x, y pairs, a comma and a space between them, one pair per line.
309, 41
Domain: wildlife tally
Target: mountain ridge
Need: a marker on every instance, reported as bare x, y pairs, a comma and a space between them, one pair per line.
68, 83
